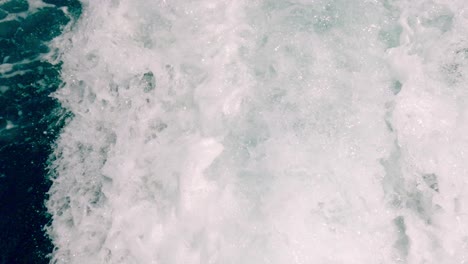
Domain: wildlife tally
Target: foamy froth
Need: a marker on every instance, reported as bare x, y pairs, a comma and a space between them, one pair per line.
263, 132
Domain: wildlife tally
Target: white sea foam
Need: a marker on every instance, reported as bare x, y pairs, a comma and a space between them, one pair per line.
263, 132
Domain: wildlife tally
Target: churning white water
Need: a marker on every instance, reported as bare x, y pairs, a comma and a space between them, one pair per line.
263, 131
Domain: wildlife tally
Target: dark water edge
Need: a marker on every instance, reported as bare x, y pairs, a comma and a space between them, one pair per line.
30, 121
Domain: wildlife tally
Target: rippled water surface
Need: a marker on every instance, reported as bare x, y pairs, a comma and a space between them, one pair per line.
29, 122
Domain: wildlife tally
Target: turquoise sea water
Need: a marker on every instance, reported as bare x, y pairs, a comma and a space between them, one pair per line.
264, 131
29, 122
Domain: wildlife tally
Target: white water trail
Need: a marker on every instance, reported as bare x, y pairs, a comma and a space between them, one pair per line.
263, 132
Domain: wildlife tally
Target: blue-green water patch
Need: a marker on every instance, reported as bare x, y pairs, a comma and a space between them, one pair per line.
29, 123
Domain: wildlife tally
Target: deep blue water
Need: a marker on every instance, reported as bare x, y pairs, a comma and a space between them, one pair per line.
29, 123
